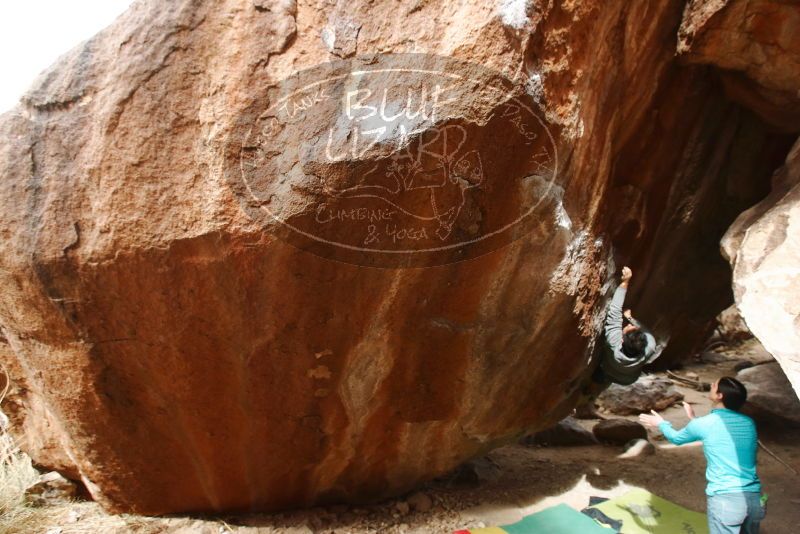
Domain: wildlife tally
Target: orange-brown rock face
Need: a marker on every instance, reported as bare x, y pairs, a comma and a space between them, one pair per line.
755, 45
264, 254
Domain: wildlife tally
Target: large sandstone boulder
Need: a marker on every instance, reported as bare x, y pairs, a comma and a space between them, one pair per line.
215, 217
763, 246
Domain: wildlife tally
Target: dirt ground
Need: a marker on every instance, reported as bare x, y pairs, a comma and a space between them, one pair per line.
515, 481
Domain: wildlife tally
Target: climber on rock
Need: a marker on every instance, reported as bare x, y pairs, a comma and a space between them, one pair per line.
627, 348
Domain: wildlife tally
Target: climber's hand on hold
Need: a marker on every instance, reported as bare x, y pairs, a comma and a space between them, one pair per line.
688, 409
626, 274
628, 315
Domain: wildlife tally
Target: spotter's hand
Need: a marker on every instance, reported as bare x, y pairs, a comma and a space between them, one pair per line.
650, 421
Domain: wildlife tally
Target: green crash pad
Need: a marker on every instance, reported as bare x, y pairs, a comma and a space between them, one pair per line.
560, 518
557, 519
641, 512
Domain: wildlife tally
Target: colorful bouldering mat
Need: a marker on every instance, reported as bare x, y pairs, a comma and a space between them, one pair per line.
556, 519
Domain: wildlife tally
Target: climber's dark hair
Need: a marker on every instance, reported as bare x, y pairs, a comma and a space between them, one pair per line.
734, 394
634, 343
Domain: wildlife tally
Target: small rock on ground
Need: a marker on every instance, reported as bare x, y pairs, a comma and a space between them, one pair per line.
403, 507
420, 502
51, 488
568, 432
618, 431
647, 393
638, 447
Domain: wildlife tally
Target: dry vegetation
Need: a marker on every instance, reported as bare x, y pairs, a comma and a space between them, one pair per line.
18, 517
16, 474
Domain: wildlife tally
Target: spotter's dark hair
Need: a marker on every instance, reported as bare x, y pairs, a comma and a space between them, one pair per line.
734, 394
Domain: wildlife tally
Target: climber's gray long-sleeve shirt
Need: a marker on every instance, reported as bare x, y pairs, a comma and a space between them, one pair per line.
617, 366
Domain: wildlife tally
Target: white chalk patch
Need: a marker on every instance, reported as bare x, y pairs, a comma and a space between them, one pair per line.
328, 36
535, 87
565, 277
514, 13
562, 217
